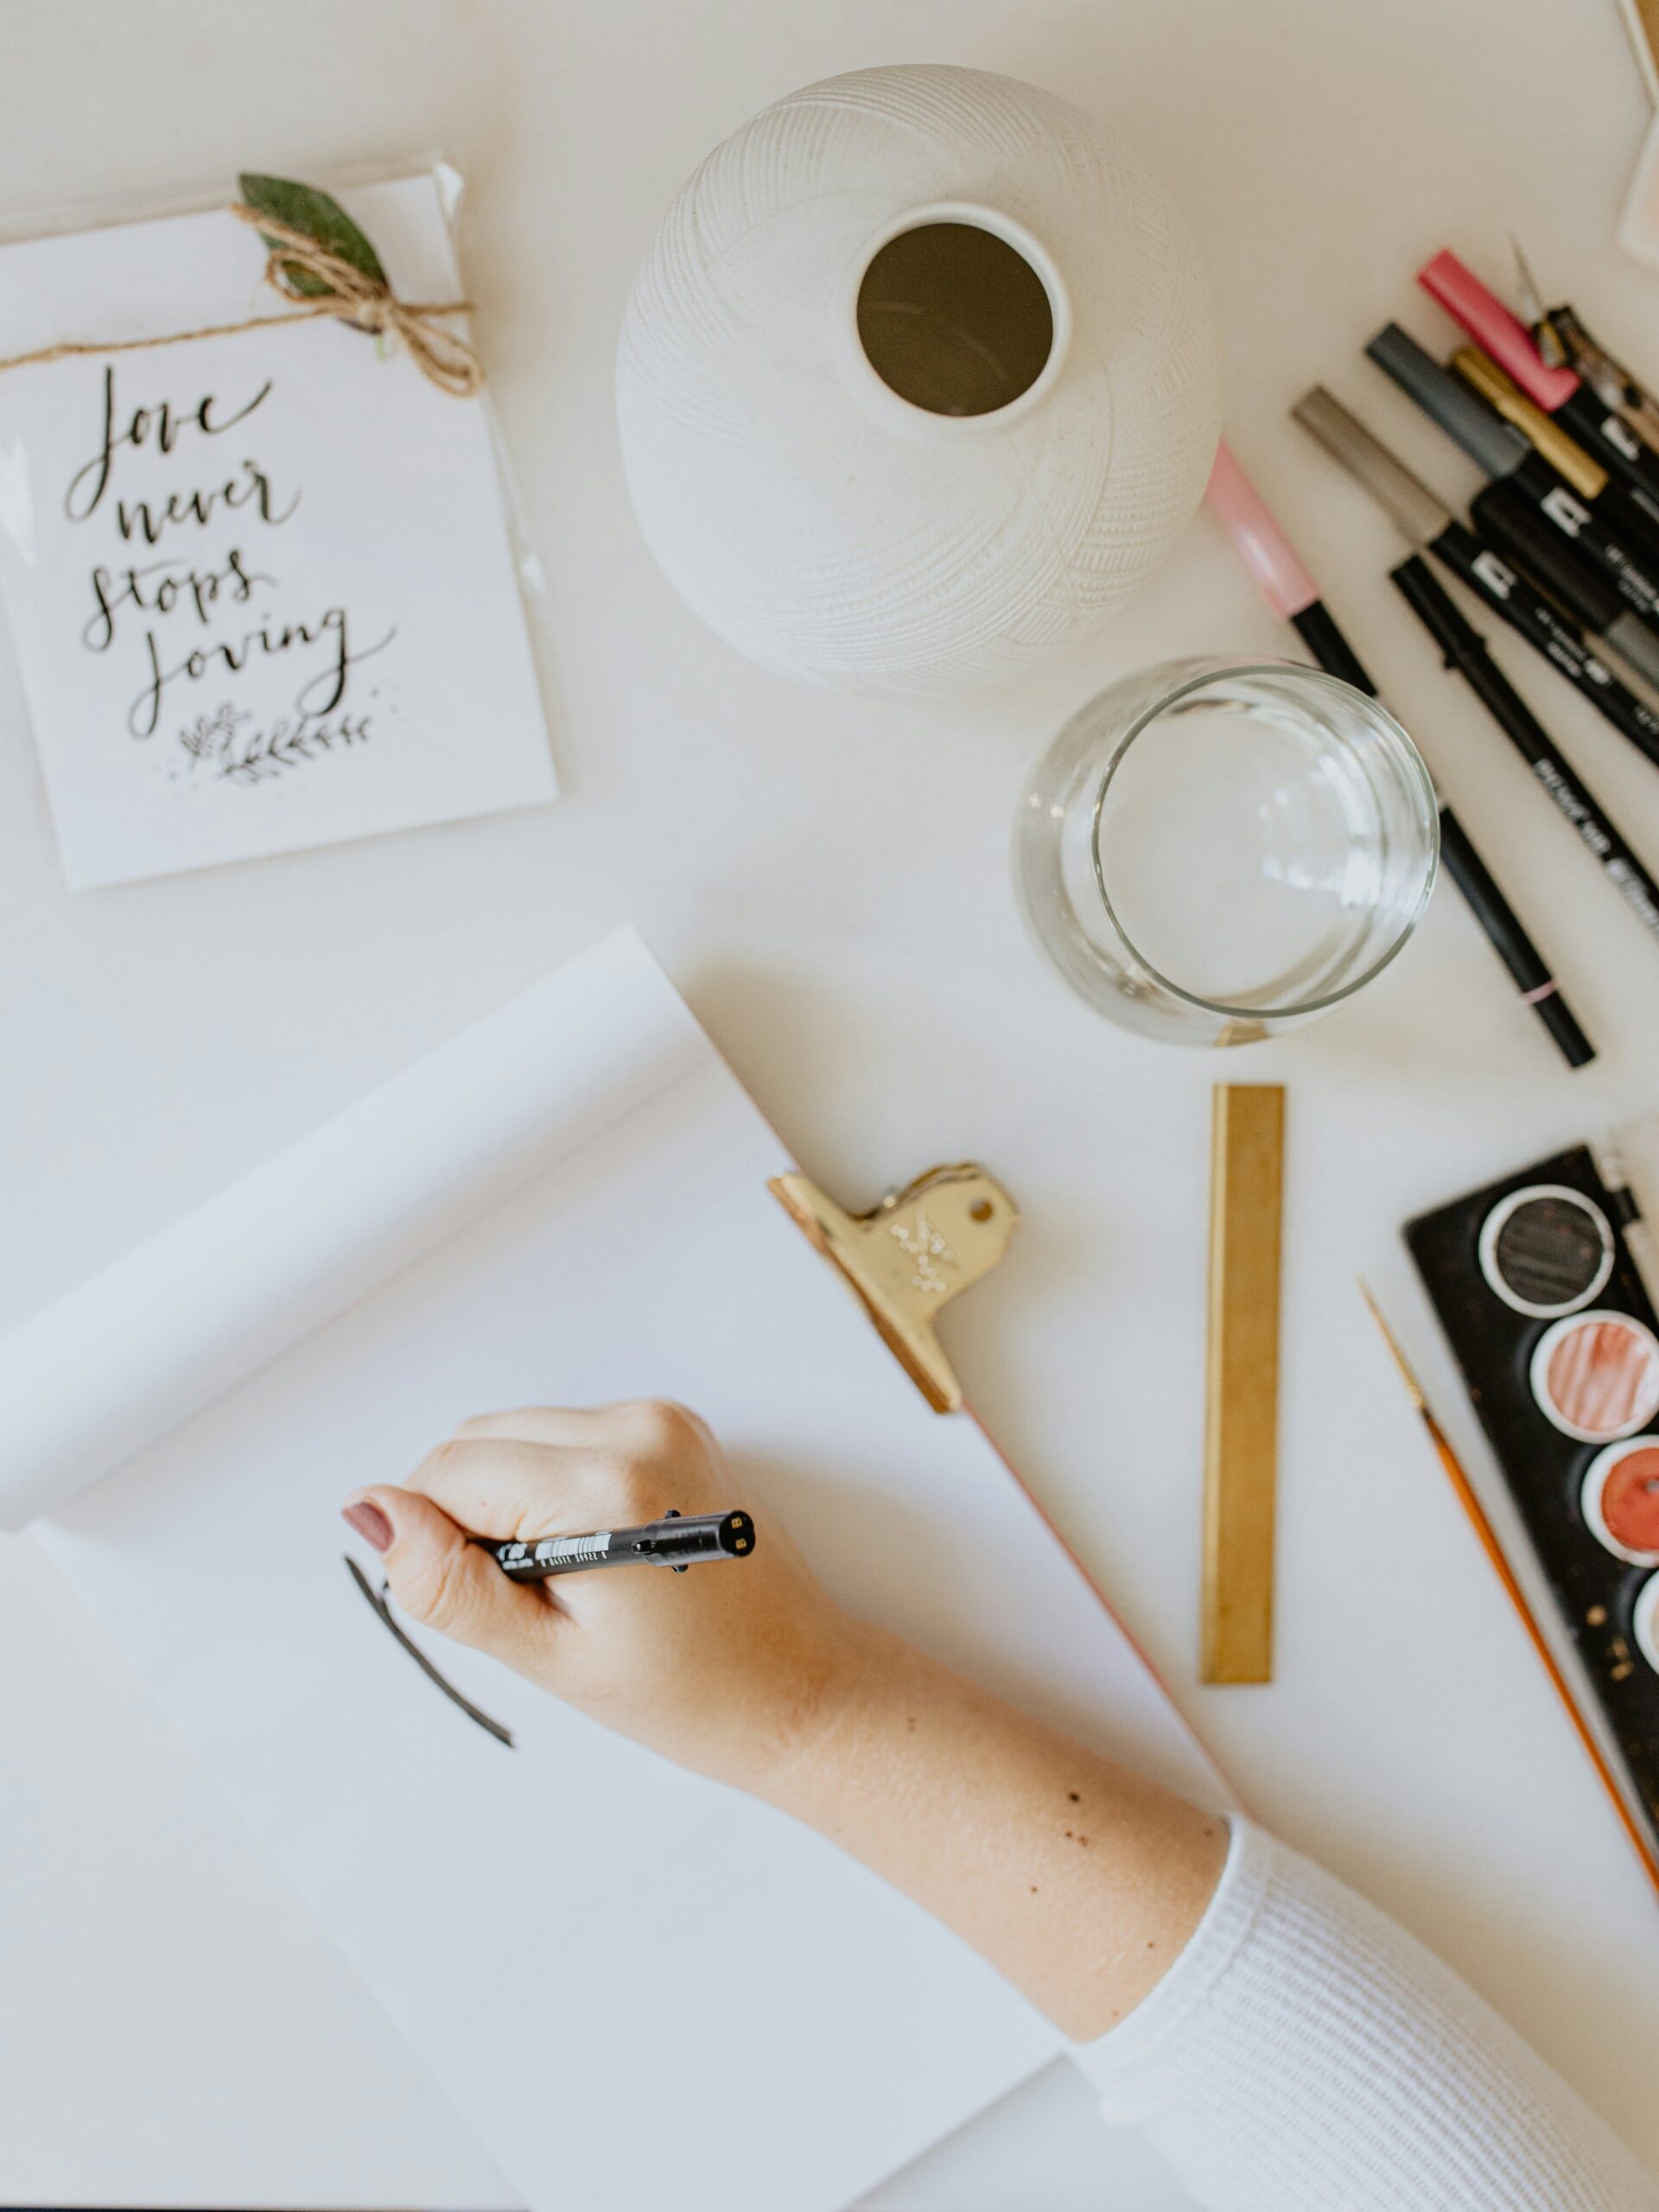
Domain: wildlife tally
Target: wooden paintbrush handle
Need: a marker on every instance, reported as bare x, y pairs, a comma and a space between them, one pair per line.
1494, 1551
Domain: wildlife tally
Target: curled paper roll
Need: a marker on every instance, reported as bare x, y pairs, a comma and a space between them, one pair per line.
125, 1359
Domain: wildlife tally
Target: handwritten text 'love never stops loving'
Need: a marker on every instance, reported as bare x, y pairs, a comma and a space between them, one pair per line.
166, 580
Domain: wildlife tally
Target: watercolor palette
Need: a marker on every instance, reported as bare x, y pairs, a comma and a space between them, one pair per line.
1557, 1338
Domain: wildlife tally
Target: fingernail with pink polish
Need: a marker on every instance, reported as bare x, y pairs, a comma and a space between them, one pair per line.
369, 1522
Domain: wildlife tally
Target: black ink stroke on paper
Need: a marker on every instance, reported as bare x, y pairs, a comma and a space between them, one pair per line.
159, 427
321, 692
381, 1601
215, 743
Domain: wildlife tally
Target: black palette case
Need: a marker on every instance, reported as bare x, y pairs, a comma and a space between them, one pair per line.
1543, 1469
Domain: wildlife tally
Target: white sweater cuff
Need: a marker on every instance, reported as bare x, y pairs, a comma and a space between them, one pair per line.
1161, 2019
1305, 2054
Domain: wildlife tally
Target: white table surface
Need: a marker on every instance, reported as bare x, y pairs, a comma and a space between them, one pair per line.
827, 880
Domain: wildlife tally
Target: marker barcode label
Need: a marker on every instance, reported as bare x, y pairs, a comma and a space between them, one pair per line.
559, 1551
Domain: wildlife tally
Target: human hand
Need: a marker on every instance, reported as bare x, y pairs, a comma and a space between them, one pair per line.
729, 1668
748, 1671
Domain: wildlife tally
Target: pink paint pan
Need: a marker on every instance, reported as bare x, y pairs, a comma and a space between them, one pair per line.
1596, 1375
1545, 1284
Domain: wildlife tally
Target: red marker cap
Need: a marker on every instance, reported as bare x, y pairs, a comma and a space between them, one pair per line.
1498, 333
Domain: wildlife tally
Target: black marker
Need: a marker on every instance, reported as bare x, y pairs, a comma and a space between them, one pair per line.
1604, 582
1611, 504
1465, 651
1430, 526
679, 1541
1413, 508
1512, 522
1292, 593
1560, 391
1562, 340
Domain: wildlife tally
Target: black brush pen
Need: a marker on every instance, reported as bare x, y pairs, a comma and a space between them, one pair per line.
1465, 651
1618, 595
1415, 509
1512, 522
1292, 594
1610, 502
1515, 600
678, 1541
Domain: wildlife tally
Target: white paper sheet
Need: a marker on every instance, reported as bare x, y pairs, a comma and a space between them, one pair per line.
261, 585
641, 1988
209, 1300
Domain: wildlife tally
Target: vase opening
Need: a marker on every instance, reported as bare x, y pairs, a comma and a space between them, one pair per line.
954, 319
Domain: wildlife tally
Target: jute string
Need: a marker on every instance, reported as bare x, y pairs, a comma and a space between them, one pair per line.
444, 356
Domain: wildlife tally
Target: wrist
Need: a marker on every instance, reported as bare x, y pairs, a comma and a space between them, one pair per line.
835, 1725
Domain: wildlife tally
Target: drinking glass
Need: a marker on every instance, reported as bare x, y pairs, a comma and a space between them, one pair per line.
1211, 853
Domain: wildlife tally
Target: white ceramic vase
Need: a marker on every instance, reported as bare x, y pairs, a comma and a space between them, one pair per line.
993, 250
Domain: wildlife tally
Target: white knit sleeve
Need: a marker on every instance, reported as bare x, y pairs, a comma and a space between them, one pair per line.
1304, 2054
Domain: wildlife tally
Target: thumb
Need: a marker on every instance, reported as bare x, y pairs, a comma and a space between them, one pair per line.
444, 1581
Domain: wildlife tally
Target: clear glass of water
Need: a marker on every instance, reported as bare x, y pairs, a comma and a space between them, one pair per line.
1211, 853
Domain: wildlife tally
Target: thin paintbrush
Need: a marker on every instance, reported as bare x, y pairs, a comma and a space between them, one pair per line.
1517, 1596
1563, 342
1560, 391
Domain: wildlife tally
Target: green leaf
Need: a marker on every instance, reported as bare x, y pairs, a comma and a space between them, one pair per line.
304, 208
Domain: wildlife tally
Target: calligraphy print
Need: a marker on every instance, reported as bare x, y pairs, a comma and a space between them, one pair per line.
261, 587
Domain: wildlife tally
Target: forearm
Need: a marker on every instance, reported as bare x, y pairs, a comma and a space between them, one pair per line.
1292, 2053
1303, 2052
1078, 1880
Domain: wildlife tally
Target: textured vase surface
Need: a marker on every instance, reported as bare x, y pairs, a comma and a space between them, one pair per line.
821, 524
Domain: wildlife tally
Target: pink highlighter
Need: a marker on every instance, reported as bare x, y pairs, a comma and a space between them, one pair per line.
1283, 582
1237, 505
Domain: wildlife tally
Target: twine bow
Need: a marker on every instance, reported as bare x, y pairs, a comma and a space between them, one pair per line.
444, 356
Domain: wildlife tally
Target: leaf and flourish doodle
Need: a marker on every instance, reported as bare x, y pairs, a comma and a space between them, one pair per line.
219, 745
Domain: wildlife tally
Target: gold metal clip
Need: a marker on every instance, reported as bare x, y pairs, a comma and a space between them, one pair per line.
910, 1255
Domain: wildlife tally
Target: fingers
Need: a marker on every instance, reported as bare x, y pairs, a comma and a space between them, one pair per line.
574, 1425
546, 1470
445, 1582
634, 1425
501, 1487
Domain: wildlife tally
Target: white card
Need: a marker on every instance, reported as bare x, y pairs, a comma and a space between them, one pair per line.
261, 587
